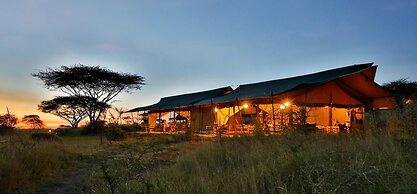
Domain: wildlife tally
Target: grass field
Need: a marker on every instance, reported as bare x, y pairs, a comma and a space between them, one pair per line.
383, 159
25, 164
296, 163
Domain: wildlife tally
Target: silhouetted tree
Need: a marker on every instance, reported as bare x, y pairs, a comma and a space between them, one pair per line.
403, 90
116, 119
92, 81
7, 123
8, 119
33, 120
72, 108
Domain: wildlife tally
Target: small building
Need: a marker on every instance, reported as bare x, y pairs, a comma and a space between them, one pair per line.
332, 100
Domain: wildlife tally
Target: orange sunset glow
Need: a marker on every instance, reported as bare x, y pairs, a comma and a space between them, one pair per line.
21, 104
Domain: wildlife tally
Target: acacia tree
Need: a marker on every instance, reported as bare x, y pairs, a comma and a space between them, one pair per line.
92, 81
33, 120
7, 123
402, 89
8, 119
72, 108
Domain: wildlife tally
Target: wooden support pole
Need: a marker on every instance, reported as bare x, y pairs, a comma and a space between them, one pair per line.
181, 124
258, 120
264, 126
215, 116
143, 118
202, 120
160, 121
228, 120
330, 117
175, 121
273, 112
189, 119
234, 114
331, 110
216, 119
215, 125
240, 114
147, 124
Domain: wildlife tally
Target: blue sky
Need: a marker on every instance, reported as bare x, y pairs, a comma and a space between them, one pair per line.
185, 46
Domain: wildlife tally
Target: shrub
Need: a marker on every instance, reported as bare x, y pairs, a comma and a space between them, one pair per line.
306, 128
97, 127
396, 121
115, 134
65, 131
132, 128
258, 132
45, 137
6, 130
188, 135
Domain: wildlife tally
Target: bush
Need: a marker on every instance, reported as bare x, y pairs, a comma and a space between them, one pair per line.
6, 130
132, 128
306, 128
45, 137
258, 132
396, 121
97, 127
189, 134
65, 131
115, 134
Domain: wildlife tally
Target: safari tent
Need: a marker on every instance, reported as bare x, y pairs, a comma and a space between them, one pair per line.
331, 100
179, 111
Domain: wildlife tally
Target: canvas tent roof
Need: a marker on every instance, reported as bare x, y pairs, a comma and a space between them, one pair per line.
350, 86
173, 102
348, 90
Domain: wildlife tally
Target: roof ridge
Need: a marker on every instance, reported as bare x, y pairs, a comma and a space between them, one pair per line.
309, 74
200, 92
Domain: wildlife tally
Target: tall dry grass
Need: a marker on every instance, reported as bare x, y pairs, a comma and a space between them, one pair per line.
25, 163
381, 159
296, 163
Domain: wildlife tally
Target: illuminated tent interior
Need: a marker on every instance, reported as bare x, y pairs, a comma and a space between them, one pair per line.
177, 109
330, 100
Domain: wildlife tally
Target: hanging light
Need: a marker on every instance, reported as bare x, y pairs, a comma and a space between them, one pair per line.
245, 106
282, 107
287, 104
216, 109
408, 101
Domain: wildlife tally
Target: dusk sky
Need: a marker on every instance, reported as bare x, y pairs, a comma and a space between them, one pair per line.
182, 46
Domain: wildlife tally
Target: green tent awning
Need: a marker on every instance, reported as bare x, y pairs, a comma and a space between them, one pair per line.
184, 100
